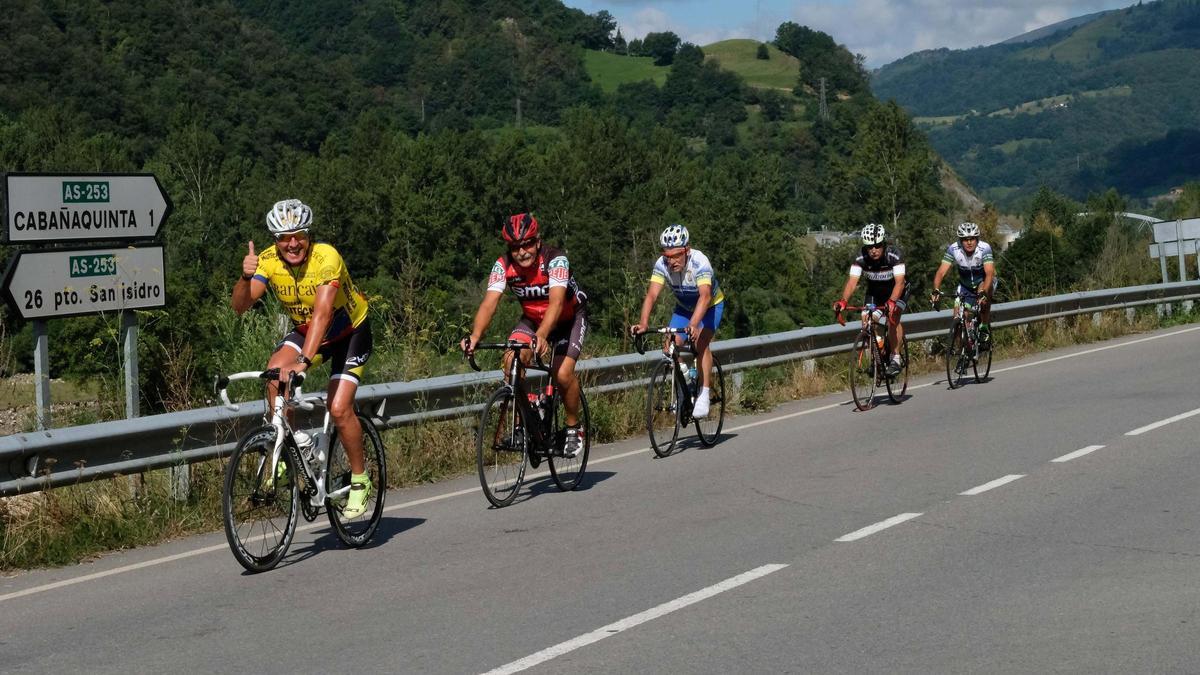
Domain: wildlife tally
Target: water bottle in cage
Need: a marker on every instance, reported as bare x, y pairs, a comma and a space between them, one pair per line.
305, 443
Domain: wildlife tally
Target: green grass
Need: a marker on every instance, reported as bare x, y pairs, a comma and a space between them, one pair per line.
1009, 147
778, 72
1080, 46
612, 70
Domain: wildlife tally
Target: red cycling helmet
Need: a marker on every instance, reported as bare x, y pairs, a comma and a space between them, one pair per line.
521, 227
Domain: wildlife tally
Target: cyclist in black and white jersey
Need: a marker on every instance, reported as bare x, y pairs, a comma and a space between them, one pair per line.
976, 275
883, 266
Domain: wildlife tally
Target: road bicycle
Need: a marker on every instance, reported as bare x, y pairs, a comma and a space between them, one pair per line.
519, 427
869, 357
271, 478
964, 348
671, 394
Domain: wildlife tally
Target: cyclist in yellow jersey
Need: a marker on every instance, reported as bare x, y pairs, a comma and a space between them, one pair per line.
329, 317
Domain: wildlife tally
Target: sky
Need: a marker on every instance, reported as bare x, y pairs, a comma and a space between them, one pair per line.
880, 30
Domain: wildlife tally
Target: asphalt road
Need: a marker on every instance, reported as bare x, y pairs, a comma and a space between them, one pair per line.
975, 530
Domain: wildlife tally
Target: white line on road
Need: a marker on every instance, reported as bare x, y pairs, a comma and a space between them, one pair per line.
1078, 453
457, 493
635, 620
1162, 423
882, 525
979, 489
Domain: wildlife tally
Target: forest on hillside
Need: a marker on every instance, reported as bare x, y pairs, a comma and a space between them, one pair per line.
413, 128
1117, 92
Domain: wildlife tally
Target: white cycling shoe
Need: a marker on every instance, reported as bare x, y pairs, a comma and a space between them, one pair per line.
700, 409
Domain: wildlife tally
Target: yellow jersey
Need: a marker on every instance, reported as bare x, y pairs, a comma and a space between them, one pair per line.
296, 288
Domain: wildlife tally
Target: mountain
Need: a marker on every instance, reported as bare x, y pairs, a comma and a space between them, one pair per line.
1107, 100
1047, 31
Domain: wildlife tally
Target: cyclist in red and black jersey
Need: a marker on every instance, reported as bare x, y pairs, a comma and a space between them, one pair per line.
553, 310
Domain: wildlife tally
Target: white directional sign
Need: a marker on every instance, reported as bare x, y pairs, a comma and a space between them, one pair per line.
84, 207
1175, 230
1171, 248
51, 284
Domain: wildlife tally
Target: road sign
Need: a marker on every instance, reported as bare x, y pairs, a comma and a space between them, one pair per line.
1171, 248
84, 207
64, 282
1174, 230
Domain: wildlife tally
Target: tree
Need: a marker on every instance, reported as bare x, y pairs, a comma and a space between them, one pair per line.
661, 46
762, 54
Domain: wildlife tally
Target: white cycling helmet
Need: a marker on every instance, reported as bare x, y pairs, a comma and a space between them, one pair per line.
873, 234
968, 230
674, 236
289, 215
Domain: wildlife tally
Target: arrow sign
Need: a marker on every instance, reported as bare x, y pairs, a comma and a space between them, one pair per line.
64, 282
84, 207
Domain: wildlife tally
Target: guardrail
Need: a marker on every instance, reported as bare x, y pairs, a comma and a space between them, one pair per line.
45, 459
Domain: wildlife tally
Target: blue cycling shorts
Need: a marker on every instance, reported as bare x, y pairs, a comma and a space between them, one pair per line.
681, 317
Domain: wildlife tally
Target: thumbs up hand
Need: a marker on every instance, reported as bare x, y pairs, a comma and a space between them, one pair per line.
250, 262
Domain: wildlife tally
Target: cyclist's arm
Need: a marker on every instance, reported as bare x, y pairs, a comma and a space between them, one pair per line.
483, 316
246, 292
322, 316
897, 288
705, 291
940, 274
989, 275
558, 295
848, 289
648, 303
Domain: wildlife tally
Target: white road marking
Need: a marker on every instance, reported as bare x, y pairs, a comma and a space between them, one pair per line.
1162, 423
1078, 453
978, 489
458, 493
877, 527
635, 620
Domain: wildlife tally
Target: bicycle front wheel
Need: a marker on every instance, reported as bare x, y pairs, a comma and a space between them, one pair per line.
896, 386
259, 502
356, 532
709, 428
568, 471
500, 449
863, 375
662, 408
956, 358
983, 365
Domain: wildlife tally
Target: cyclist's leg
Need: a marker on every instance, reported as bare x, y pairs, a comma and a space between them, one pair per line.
568, 343
710, 323
284, 355
680, 318
985, 312
524, 332
348, 358
896, 331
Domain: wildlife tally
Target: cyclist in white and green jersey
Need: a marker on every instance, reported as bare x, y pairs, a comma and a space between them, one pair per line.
976, 275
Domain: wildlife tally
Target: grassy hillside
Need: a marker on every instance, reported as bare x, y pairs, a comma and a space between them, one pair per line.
612, 70
777, 72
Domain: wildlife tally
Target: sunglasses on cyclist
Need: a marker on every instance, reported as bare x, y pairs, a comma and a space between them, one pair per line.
528, 243
300, 235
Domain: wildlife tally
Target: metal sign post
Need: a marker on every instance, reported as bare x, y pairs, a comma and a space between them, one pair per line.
41, 374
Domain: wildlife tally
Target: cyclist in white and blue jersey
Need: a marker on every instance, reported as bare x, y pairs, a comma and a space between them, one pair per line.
976, 275
699, 302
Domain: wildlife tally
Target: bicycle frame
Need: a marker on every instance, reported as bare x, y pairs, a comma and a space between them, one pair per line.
672, 354
515, 384
314, 472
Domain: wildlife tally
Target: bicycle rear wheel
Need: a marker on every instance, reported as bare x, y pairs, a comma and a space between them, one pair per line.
865, 360
500, 449
956, 357
709, 428
259, 502
568, 471
356, 532
662, 408
896, 386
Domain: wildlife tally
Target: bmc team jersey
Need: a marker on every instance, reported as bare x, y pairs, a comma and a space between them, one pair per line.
296, 288
970, 267
881, 273
686, 284
532, 284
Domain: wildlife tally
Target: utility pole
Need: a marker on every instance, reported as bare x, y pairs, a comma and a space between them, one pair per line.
824, 105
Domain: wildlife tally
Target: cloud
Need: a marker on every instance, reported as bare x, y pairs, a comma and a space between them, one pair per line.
886, 30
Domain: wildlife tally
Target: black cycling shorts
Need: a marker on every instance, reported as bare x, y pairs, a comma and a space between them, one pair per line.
347, 356
567, 337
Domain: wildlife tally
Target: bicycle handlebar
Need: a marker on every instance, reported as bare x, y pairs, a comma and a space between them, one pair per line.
537, 364
221, 385
639, 340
